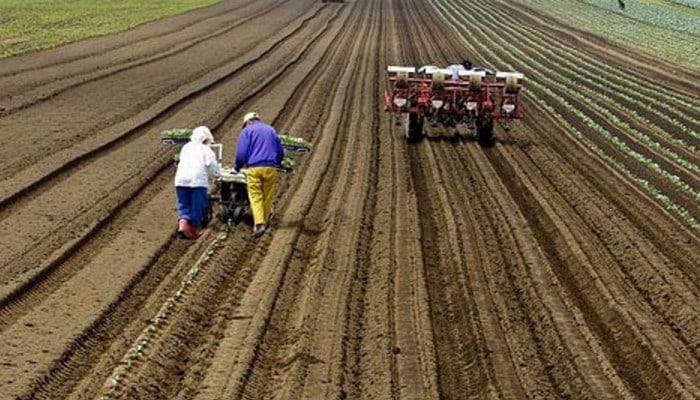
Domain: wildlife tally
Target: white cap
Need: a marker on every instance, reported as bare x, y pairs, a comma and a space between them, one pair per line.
202, 134
250, 116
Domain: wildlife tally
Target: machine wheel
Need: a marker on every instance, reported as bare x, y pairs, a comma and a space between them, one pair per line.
224, 214
237, 214
484, 131
414, 127
237, 206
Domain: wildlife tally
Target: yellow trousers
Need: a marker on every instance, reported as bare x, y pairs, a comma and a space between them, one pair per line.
262, 183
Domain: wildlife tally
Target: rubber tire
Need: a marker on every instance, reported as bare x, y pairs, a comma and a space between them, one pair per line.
414, 127
237, 214
239, 203
223, 214
484, 132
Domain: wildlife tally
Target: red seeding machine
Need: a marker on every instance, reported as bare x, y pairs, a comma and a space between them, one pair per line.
476, 97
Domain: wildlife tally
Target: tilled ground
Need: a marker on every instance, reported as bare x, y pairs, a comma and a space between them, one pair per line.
532, 269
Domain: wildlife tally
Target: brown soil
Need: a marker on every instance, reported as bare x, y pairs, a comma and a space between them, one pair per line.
436, 270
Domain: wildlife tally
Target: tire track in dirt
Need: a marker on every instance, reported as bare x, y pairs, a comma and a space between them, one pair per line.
161, 164
187, 336
556, 377
457, 345
398, 358
615, 350
307, 272
530, 378
631, 280
449, 306
460, 349
463, 354
460, 339
160, 365
167, 192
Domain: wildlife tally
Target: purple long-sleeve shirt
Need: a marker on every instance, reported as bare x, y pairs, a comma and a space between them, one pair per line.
258, 146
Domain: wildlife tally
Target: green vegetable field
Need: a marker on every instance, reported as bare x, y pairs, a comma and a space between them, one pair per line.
665, 28
31, 25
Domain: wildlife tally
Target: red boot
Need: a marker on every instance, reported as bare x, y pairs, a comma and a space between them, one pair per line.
184, 229
195, 232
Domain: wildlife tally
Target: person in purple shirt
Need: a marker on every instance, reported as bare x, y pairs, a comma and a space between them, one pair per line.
259, 148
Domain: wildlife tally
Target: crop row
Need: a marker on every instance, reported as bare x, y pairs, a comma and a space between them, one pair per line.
665, 15
541, 81
610, 82
599, 88
695, 4
139, 348
551, 74
680, 44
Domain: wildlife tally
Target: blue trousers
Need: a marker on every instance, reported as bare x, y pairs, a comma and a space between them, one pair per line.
191, 204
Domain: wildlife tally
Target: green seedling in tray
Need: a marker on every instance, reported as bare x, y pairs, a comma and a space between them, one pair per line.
288, 163
294, 143
176, 136
182, 135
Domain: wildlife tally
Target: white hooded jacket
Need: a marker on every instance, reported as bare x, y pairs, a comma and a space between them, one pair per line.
197, 160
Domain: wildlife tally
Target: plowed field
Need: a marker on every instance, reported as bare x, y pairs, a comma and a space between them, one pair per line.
563, 262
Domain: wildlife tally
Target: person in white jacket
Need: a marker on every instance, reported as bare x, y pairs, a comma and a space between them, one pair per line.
197, 161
